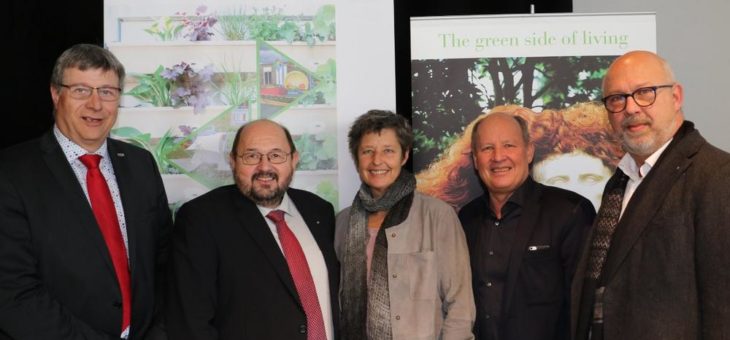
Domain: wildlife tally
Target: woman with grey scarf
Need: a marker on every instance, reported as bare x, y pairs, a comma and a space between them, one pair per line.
405, 264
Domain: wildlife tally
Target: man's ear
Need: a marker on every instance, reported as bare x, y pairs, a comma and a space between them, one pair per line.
55, 94
530, 152
678, 96
232, 160
294, 159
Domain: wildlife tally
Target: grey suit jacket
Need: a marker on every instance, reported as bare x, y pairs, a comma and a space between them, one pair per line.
667, 274
56, 277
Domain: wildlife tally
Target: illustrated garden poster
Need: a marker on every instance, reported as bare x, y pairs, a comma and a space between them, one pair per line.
197, 71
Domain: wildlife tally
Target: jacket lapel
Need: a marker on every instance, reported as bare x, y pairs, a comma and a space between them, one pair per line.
649, 197
254, 224
63, 173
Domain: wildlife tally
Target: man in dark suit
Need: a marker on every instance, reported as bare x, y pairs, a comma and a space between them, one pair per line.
231, 273
63, 275
523, 237
660, 271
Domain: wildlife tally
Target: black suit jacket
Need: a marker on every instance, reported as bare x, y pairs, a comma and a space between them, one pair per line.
56, 276
536, 295
667, 272
228, 277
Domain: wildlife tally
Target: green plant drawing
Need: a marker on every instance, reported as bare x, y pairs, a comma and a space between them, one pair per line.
316, 154
326, 90
321, 28
264, 24
153, 88
234, 26
236, 88
178, 85
165, 29
328, 191
324, 22
160, 150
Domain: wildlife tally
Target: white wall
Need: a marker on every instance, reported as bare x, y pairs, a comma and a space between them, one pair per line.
694, 36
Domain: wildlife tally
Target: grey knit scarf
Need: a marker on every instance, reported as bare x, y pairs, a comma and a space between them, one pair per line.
366, 305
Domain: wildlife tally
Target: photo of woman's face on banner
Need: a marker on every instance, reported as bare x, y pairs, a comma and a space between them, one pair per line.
559, 97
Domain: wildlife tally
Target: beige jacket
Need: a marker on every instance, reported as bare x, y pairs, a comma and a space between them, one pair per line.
429, 274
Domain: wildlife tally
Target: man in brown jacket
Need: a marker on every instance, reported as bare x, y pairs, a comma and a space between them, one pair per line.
658, 268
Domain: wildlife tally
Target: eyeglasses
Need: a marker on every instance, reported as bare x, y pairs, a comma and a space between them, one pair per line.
254, 157
106, 93
643, 96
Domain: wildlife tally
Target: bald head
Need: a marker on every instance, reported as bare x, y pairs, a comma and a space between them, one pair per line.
645, 62
501, 116
646, 125
267, 125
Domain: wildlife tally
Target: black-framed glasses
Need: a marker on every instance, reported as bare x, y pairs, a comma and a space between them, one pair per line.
106, 93
254, 157
643, 96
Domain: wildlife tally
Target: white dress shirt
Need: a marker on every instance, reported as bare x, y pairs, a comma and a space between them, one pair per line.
313, 254
73, 151
636, 174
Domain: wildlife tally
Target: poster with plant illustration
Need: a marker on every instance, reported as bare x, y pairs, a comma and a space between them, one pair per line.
546, 69
197, 71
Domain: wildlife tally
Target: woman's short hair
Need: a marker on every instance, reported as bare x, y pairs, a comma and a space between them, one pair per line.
374, 121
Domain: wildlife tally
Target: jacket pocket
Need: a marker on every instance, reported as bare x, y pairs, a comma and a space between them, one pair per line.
422, 275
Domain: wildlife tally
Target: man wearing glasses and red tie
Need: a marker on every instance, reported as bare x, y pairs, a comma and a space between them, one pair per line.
656, 263
84, 219
255, 260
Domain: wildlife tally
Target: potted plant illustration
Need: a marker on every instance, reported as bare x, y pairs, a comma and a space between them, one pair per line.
165, 29
198, 27
179, 85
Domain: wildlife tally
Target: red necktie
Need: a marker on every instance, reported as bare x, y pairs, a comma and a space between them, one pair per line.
303, 281
106, 217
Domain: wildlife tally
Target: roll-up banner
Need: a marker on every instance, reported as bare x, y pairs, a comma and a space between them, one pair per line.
546, 68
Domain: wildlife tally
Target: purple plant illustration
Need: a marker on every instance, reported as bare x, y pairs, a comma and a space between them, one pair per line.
188, 86
197, 27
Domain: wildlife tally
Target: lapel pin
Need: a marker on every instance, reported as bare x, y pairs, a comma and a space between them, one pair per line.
120, 154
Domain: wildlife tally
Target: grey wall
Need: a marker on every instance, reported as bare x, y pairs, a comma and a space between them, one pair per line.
694, 36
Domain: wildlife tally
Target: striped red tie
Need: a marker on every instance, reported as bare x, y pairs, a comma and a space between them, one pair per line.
303, 281
106, 216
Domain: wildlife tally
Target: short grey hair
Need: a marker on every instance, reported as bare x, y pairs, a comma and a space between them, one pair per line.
84, 57
375, 121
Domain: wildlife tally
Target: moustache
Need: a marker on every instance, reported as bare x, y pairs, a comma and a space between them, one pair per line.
265, 174
634, 120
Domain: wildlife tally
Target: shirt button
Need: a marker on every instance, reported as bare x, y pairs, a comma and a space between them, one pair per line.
395, 276
489, 284
397, 317
487, 316
392, 235
496, 223
491, 253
